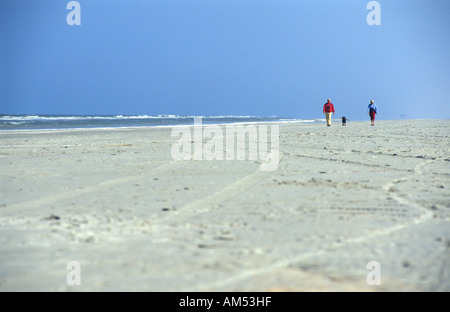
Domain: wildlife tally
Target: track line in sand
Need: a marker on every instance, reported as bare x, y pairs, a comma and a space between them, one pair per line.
243, 275
348, 162
361, 152
18, 207
217, 197
223, 194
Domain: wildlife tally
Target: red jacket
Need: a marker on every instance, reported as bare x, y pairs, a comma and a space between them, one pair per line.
328, 108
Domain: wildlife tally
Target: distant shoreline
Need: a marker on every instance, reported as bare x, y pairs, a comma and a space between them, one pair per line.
55, 122
131, 127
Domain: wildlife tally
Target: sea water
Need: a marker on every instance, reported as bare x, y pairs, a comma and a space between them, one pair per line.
15, 122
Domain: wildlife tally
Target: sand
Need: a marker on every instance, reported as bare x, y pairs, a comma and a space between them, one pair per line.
116, 202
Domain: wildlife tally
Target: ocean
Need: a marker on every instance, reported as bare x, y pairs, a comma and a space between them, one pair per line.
17, 122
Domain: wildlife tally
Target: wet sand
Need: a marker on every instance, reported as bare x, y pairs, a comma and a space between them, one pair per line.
135, 219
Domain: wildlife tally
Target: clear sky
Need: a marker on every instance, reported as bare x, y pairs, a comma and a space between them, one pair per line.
225, 57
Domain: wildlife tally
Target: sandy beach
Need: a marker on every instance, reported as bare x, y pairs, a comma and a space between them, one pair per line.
135, 219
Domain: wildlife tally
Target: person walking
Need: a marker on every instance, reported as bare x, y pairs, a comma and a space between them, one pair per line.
372, 110
328, 110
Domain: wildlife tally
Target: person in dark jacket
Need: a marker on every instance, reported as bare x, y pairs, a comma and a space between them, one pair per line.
372, 110
328, 110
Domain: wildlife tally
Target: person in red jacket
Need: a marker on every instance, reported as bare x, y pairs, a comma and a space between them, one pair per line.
328, 110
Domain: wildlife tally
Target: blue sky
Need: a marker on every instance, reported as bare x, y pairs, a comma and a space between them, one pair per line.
225, 57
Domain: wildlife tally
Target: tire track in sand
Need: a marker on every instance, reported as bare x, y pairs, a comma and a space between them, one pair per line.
246, 274
205, 203
50, 199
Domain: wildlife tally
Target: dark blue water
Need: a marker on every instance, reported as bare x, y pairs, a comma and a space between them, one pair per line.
13, 122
